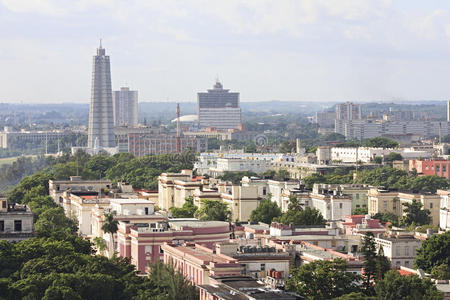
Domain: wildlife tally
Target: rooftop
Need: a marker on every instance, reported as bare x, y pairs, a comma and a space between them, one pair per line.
131, 201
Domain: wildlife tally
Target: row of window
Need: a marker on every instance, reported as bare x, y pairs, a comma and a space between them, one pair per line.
17, 225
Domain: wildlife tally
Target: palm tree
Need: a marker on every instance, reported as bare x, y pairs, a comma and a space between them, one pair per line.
110, 226
100, 244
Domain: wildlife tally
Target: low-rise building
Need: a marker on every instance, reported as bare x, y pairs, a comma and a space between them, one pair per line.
332, 206
357, 192
241, 200
16, 221
428, 201
198, 263
360, 225
444, 211
440, 168
399, 247
76, 184
142, 242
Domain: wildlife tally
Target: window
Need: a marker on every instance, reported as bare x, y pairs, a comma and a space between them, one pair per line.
263, 267
3, 204
397, 251
407, 263
357, 196
2, 225
437, 168
406, 251
431, 205
17, 225
161, 251
385, 204
264, 191
444, 168
146, 210
340, 205
358, 206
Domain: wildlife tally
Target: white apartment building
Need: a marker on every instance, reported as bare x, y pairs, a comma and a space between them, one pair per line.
444, 210
399, 248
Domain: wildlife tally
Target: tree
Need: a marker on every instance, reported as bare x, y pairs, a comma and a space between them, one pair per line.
414, 214
323, 280
282, 175
387, 217
100, 244
441, 272
212, 210
360, 211
265, 212
355, 296
434, 252
110, 225
287, 146
375, 265
186, 211
298, 216
54, 223
381, 142
393, 156
394, 286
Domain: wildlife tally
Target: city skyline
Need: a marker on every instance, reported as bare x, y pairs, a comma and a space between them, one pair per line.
290, 50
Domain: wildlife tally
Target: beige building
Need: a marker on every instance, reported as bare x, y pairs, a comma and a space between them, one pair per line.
241, 200
383, 201
174, 188
16, 221
76, 184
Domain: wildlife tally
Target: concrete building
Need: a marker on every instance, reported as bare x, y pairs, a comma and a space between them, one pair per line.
444, 212
440, 168
174, 188
125, 107
76, 184
17, 139
241, 287
383, 201
360, 225
364, 129
332, 206
101, 112
400, 248
219, 108
348, 111
325, 119
141, 144
16, 221
241, 200
357, 192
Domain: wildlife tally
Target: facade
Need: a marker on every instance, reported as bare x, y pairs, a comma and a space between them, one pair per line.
364, 129
241, 200
238, 165
125, 107
357, 192
399, 248
122, 135
14, 139
383, 201
360, 225
174, 188
141, 144
440, 168
331, 206
76, 184
219, 108
348, 111
145, 244
444, 212
101, 112
325, 119
16, 221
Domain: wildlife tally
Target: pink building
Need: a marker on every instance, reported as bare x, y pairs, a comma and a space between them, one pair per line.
361, 224
142, 242
198, 263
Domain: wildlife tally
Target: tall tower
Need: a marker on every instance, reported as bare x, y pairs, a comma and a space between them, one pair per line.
448, 111
101, 113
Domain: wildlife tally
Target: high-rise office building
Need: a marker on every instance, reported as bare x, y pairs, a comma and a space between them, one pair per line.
219, 108
125, 107
448, 111
101, 112
348, 111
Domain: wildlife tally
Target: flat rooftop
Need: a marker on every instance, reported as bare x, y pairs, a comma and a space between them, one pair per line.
196, 223
131, 201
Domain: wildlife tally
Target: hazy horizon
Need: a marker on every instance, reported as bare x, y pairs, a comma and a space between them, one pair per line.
303, 51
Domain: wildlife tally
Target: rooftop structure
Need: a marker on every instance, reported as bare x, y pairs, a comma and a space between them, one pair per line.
125, 107
16, 221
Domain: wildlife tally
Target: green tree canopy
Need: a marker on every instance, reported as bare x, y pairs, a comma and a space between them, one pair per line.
394, 286
186, 211
212, 210
414, 214
323, 280
265, 212
434, 252
381, 142
298, 216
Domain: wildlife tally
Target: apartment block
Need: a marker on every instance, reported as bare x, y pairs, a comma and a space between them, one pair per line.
16, 221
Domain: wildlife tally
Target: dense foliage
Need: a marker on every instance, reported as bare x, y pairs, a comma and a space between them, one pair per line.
212, 210
266, 211
434, 252
395, 286
297, 215
186, 211
323, 280
414, 214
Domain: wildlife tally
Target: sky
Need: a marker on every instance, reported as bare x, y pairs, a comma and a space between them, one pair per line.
299, 50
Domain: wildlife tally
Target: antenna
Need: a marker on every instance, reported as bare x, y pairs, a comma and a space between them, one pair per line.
100, 43
178, 129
